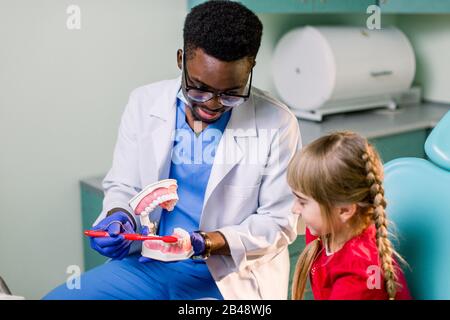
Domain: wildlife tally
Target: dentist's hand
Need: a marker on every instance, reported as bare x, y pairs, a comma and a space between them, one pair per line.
198, 243
115, 246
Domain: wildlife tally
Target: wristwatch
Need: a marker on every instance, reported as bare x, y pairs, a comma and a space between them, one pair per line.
205, 255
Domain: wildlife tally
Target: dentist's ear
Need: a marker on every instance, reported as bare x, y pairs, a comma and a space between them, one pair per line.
180, 59
347, 211
251, 63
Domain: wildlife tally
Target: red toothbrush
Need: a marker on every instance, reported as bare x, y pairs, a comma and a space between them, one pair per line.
130, 236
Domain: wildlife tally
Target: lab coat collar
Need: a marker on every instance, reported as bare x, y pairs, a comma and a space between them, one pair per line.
165, 106
242, 121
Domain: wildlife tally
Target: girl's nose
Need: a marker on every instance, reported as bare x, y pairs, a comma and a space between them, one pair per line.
298, 213
296, 209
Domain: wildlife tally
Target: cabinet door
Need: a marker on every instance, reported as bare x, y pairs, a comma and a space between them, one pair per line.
281, 6
342, 6
414, 6
410, 144
91, 206
271, 6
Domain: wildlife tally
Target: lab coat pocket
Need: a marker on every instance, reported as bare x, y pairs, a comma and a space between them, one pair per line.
271, 273
255, 283
241, 202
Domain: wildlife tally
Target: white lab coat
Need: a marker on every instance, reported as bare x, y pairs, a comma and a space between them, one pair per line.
247, 200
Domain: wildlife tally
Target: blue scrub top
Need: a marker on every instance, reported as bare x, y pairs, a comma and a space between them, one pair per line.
192, 160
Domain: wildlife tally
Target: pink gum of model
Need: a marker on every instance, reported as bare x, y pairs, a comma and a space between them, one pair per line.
154, 195
162, 193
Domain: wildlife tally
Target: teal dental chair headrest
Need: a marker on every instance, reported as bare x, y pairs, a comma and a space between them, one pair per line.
437, 146
417, 192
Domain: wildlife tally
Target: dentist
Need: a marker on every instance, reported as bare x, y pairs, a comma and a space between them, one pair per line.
228, 145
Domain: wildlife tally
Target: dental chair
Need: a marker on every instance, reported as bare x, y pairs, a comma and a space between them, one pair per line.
417, 192
5, 293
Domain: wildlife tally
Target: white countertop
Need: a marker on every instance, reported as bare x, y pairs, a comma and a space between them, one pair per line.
377, 123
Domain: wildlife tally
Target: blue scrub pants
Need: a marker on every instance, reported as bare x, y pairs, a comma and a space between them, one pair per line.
128, 279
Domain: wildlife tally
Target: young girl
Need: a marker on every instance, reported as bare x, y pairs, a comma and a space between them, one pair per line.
337, 181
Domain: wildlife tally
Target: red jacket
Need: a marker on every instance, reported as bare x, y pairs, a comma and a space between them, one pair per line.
352, 273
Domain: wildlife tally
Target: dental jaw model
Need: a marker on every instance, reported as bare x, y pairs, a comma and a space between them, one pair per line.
164, 194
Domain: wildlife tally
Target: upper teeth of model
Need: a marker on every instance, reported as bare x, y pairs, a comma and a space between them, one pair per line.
160, 200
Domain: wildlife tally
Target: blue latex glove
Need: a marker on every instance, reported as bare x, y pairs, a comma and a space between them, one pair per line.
198, 243
115, 246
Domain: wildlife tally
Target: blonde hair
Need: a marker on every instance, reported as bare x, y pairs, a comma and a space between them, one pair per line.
339, 168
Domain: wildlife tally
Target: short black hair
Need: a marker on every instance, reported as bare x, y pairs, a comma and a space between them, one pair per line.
226, 30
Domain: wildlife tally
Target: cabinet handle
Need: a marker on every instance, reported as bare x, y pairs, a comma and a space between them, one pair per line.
381, 73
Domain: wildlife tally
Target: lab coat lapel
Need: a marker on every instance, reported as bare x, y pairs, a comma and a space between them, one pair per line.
163, 133
242, 124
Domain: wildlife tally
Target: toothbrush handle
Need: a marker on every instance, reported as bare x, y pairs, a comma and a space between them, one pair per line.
130, 236
96, 234
133, 236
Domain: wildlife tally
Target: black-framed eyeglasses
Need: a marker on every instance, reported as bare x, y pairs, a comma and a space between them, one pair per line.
202, 96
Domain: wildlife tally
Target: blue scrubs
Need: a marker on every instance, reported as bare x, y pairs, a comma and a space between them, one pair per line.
192, 159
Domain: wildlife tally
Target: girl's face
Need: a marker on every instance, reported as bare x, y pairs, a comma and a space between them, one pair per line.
309, 211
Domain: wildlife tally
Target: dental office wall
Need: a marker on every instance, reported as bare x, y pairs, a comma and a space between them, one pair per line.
61, 96
430, 37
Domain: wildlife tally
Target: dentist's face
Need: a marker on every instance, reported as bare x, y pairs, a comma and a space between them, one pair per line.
207, 73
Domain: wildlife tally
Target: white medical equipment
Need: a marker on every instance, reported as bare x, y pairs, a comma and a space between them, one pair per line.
324, 70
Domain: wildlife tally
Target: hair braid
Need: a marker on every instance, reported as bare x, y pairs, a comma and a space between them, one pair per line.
302, 269
384, 245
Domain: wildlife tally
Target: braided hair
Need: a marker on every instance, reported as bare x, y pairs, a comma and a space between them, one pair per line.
384, 245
